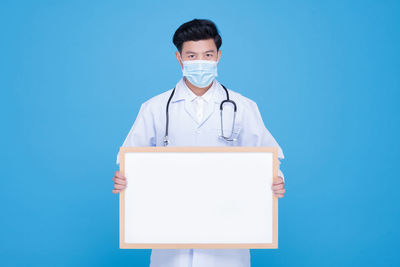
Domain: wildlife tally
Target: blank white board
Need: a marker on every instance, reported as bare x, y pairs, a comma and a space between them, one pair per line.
198, 197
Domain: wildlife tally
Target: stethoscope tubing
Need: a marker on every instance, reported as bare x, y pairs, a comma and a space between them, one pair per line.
227, 100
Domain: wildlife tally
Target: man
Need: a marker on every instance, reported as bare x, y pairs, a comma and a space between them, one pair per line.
195, 120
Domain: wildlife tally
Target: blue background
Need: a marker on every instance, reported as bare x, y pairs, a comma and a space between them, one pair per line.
325, 75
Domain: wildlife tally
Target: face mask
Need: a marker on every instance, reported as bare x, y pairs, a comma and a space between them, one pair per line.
200, 72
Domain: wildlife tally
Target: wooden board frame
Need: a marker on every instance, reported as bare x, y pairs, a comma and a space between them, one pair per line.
124, 245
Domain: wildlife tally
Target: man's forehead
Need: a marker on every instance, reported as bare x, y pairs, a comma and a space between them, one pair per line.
200, 46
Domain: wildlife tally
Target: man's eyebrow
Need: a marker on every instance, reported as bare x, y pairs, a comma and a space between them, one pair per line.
208, 51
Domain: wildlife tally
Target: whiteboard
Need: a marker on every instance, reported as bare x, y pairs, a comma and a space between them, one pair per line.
198, 197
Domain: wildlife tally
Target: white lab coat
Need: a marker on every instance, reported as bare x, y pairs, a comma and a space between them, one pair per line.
184, 130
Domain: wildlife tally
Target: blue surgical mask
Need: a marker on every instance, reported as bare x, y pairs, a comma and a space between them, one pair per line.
200, 72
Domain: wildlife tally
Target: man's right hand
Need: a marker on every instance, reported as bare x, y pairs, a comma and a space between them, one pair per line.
119, 182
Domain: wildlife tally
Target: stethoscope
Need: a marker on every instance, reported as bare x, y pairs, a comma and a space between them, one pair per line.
227, 100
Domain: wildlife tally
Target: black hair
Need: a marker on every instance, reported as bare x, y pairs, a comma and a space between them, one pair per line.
195, 30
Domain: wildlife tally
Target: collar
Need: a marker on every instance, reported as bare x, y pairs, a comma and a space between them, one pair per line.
215, 93
206, 96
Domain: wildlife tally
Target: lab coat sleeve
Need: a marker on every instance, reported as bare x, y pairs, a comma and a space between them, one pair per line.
142, 132
254, 132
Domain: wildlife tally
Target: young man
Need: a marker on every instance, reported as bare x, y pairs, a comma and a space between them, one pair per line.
195, 120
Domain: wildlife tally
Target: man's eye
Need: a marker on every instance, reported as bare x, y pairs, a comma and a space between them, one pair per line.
209, 55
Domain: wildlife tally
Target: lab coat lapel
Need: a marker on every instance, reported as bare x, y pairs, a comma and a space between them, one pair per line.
214, 103
180, 94
190, 110
212, 106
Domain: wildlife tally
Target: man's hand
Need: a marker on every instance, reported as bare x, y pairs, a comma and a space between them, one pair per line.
119, 182
278, 187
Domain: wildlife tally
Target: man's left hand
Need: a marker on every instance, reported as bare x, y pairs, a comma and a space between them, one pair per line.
278, 187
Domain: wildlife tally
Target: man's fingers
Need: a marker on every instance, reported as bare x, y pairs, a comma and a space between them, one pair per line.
279, 196
277, 180
119, 181
277, 187
282, 191
116, 191
119, 186
119, 175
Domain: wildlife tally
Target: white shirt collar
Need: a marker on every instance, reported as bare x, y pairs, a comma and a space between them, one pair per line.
206, 96
181, 92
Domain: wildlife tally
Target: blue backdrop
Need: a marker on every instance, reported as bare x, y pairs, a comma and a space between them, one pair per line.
325, 75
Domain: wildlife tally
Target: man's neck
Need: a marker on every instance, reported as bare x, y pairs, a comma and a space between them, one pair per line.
197, 90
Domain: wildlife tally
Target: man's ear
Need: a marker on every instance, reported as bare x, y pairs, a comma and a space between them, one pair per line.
219, 55
177, 55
